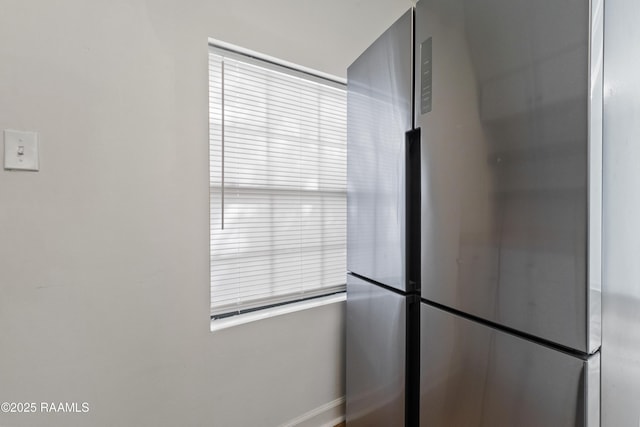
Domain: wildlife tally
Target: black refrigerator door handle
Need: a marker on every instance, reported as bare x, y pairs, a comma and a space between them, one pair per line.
412, 259
412, 209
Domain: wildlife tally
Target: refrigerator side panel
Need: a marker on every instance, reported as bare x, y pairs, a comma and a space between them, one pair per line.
594, 368
474, 375
621, 216
596, 58
379, 90
504, 118
376, 330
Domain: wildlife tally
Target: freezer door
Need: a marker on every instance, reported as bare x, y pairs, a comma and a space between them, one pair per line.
376, 330
379, 102
476, 376
511, 163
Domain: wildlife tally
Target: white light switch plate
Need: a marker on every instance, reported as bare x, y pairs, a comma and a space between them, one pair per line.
21, 150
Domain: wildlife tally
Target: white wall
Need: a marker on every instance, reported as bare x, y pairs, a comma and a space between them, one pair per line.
620, 354
104, 287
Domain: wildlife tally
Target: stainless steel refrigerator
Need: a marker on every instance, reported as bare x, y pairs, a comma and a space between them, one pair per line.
474, 217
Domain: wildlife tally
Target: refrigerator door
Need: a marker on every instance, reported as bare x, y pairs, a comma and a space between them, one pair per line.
379, 112
510, 163
476, 376
376, 330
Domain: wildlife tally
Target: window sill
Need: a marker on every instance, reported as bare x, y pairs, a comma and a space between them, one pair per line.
241, 319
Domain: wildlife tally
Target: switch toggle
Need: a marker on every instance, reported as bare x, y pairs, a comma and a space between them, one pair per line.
21, 150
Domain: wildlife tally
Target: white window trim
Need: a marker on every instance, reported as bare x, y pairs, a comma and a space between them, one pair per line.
242, 319
247, 52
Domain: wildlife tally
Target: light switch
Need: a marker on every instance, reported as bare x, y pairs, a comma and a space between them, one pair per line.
21, 150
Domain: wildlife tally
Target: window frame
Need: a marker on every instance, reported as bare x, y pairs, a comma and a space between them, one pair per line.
295, 302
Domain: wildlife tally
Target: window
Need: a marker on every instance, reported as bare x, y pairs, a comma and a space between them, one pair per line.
277, 163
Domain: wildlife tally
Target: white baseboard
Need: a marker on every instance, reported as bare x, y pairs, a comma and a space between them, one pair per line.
327, 415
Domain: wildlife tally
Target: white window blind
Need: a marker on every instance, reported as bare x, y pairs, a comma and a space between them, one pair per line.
277, 184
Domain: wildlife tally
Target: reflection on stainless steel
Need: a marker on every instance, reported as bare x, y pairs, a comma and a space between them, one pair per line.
621, 217
476, 376
375, 355
508, 98
508, 158
379, 114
